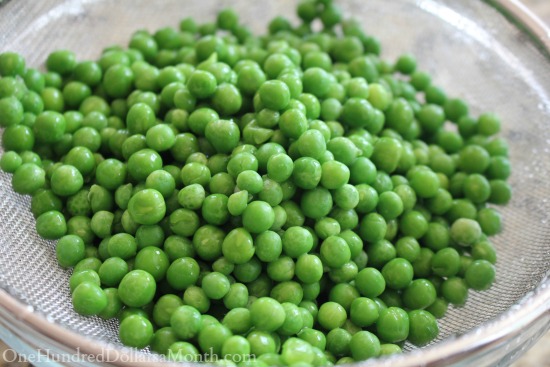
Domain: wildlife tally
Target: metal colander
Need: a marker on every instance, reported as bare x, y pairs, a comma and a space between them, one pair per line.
491, 54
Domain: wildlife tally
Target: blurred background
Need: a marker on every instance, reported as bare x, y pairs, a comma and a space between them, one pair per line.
537, 356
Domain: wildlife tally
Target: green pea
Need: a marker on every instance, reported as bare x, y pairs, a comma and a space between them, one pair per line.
238, 246
480, 274
69, 250
423, 327
147, 207
267, 314
137, 288
186, 322
89, 299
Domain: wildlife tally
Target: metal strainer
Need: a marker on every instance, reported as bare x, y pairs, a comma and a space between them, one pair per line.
491, 53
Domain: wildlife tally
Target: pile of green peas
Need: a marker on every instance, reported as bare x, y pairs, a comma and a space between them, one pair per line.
289, 199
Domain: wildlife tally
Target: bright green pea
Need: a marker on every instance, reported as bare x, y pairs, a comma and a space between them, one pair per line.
267, 314
137, 288
215, 285
331, 315
398, 273
89, 299
136, 331
274, 94
268, 246
480, 275
364, 345
393, 324
293, 123
70, 250
182, 273
335, 251
454, 290
258, 216
466, 231
237, 296
147, 207
238, 246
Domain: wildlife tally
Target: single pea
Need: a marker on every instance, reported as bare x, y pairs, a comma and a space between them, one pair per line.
258, 216
335, 251
186, 322
446, 262
238, 246
268, 246
192, 196
183, 352
142, 163
438, 308
326, 227
215, 285
309, 268
398, 273
393, 324
423, 327
474, 159
136, 331
10, 161
267, 314
70, 250
137, 288
182, 273
390, 205
380, 252
454, 290
274, 94
364, 312
407, 248
293, 320
484, 250
331, 315
11, 64
163, 339
373, 227
61, 61
344, 150
207, 242
419, 294
66, 180
296, 351
307, 173
147, 207
465, 231
338, 341
293, 123
250, 78
501, 192
480, 275
424, 182
152, 260
236, 297
282, 269
194, 296
51, 225
122, 245
112, 270
364, 345
111, 173
89, 299
279, 167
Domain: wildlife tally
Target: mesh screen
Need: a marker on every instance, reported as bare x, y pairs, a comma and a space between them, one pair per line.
471, 50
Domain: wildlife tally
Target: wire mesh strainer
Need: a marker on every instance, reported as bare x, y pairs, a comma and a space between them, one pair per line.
493, 61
